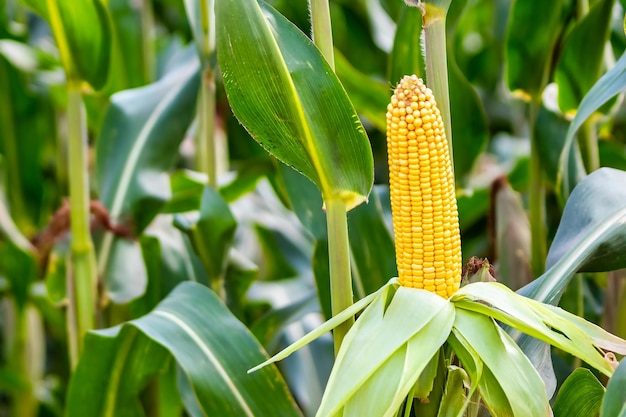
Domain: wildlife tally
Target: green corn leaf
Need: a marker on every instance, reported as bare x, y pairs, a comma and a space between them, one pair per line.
406, 57
590, 237
507, 364
211, 232
369, 96
288, 98
576, 73
614, 402
544, 322
611, 84
138, 144
212, 359
82, 28
580, 395
387, 343
528, 52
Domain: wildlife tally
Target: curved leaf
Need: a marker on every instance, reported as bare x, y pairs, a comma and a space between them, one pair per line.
387, 343
590, 237
138, 144
213, 351
509, 366
83, 28
285, 94
406, 57
528, 50
211, 232
614, 402
113, 370
611, 84
469, 122
369, 96
576, 73
580, 395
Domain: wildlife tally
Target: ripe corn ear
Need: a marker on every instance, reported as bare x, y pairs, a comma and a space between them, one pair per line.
421, 182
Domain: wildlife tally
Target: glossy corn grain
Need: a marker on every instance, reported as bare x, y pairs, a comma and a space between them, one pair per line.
423, 202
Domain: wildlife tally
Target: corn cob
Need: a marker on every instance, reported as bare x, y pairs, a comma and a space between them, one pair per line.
421, 182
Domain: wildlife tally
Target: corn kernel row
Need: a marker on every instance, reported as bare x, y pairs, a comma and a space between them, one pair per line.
423, 201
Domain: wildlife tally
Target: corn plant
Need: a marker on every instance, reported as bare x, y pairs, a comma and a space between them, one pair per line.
322, 208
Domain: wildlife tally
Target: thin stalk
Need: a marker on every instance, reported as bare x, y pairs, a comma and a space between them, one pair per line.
24, 401
580, 308
536, 199
207, 149
322, 30
588, 141
207, 146
337, 220
339, 257
83, 258
434, 24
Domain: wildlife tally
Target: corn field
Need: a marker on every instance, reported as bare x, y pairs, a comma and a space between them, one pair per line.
330, 208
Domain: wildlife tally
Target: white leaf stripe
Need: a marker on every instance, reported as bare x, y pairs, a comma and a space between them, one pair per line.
210, 356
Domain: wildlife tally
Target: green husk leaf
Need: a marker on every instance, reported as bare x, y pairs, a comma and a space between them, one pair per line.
511, 369
384, 353
563, 330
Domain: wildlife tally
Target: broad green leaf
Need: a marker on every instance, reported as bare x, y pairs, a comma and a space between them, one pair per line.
532, 32
239, 275
288, 98
321, 272
369, 96
138, 143
611, 84
187, 187
614, 402
541, 321
39, 6
169, 260
26, 120
469, 122
406, 57
509, 366
114, 368
576, 72
248, 176
305, 201
82, 26
211, 347
590, 237
18, 259
211, 231
580, 395
386, 343
130, 64
550, 132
